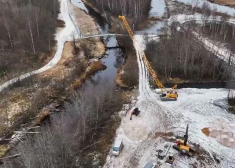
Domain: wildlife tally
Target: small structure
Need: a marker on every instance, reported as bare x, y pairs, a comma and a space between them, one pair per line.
170, 159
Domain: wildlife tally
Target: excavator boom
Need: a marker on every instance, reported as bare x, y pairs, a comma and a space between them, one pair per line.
151, 71
170, 94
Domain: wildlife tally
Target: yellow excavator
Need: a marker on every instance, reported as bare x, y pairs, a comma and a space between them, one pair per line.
183, 146
166, 95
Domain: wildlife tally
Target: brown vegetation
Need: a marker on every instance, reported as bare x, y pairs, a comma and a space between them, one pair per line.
3, 150
91, 70
206, 131
25, 38
181, 56
128, 73
71, 136
224, 2
24, 99
93, 47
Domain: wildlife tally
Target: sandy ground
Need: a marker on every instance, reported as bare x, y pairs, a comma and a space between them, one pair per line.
224, 2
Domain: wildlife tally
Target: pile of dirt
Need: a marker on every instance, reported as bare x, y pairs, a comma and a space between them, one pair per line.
206, 131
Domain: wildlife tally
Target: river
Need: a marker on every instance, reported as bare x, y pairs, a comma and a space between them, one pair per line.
113, 58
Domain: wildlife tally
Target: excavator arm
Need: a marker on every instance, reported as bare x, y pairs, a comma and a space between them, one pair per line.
151, 71
166, 95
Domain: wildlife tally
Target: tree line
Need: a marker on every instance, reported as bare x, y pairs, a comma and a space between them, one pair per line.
27, 29
67, 139
137, 9
181, 55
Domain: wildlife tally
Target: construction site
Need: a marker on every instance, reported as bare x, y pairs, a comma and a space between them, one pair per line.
154, 89
173, 127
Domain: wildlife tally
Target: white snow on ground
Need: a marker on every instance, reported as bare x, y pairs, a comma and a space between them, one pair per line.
195, 107
79, 4
220, 51
66, 34
199, 18
219, 8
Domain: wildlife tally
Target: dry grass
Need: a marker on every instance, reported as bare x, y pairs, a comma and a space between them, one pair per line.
88, 27
85, 23
206, 131
130, 73
118, 78
3, 150
92, 48
60, 23
41, 117
26, 100
177, 80
107, 139
91, 70
154, 18
61, 69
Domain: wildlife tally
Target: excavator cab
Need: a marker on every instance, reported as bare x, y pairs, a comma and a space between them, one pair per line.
170, 94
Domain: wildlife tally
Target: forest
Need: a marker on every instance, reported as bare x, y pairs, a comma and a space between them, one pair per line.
27, 33
67, 137
181, 56
136, 9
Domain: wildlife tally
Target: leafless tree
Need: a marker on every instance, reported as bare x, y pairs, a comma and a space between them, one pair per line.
71, 134
136, 9
180, 55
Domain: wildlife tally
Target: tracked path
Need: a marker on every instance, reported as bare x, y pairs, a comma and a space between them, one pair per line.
194, 106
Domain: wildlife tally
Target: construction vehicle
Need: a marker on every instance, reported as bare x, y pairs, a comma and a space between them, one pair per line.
170, 94
182, 146
135, 112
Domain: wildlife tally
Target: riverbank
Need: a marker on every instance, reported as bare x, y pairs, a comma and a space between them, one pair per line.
40, 95
86, 24
230, 3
